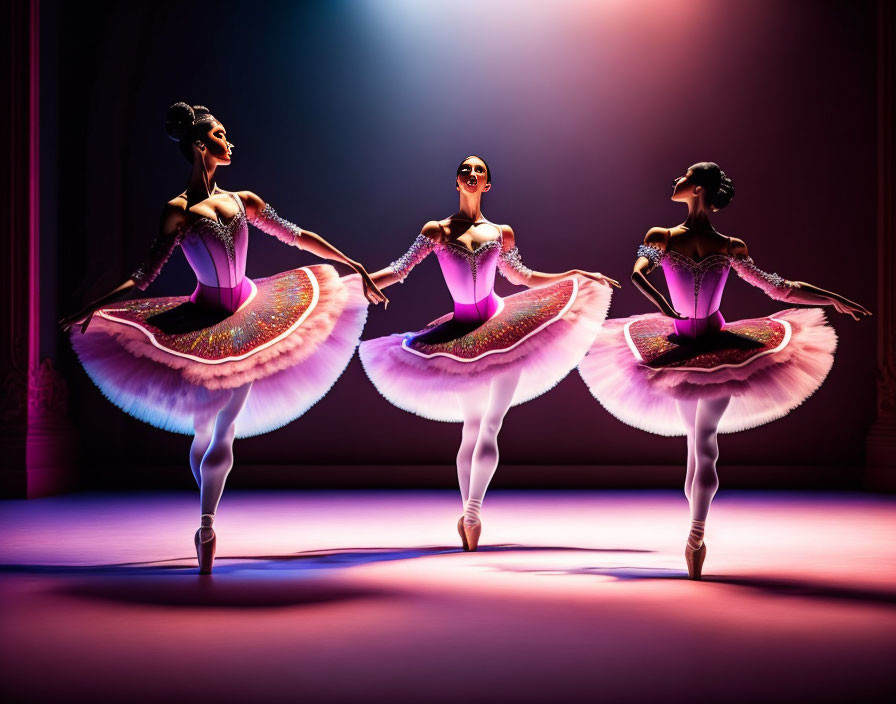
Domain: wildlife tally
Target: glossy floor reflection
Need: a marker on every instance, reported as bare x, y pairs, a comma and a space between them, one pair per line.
365, 596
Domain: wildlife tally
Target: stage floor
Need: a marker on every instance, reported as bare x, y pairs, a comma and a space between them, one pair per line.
366, 597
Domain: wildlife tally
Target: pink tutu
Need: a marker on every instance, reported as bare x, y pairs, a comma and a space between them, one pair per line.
542, 332
163, 359
637, 368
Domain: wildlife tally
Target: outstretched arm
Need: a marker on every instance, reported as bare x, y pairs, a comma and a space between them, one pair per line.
265, 218
781, 289
511, 267
650, 254
398, 270
170, 233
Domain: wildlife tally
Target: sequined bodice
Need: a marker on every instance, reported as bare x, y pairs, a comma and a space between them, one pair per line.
216, 251
469, 275
696, 287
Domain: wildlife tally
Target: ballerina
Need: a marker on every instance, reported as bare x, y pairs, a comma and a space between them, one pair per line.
238, 357
472, 365
687, 371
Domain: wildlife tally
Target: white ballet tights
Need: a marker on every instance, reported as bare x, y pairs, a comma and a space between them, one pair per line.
211, 454
477, 458
701, 421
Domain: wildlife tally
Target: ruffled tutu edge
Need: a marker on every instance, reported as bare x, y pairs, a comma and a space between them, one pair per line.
765, 389
429, 386
287, 378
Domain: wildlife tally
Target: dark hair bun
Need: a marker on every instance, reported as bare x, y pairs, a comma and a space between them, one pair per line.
717, 186
724, 194
179, 120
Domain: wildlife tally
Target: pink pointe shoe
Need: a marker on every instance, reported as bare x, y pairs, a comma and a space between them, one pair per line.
205, 549
469, 534
205, 552
695, 559
462, 533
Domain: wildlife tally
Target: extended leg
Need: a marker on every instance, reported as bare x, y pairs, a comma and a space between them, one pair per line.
218, 458
687, 411
485, 454
203, 425
214, 432
473, 407
706, 479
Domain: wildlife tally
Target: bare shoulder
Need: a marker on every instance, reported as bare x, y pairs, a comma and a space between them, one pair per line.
433, 230
253, 203
657, 237
179, 201
738, 247
508, 238
174, 214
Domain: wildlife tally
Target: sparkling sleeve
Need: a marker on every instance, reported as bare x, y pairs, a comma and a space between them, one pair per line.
402, 266
510, 265
653, 254
159, 253
269, 222
772, 285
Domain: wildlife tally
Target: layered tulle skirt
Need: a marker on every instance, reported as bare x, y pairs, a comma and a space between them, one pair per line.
541, 334
163, 360
637, 368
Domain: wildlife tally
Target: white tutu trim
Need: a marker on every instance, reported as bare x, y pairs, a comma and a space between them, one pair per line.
428, 386
765, 388
288, 378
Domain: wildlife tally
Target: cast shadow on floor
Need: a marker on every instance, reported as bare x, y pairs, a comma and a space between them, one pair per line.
258, 581
769, 585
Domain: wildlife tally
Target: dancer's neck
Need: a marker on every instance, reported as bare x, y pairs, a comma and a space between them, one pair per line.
470, 207
202, 182
698, 217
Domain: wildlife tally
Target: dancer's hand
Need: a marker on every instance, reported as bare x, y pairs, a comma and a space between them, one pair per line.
81, 317
844, 305
600, 278
371, 290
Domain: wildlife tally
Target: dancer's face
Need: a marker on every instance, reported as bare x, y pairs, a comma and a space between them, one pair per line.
216, 143
472, 176
683, 187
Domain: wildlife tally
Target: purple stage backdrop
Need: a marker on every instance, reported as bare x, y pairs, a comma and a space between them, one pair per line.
350, 118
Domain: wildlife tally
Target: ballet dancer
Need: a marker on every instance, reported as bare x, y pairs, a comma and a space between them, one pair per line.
237, 357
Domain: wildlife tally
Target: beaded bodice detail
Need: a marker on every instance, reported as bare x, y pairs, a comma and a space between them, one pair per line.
479, 264
217, 251
696, 287
469, 274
